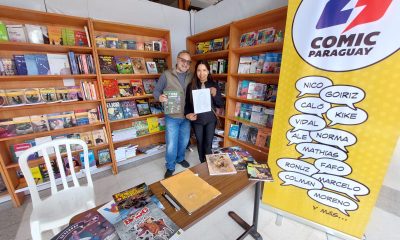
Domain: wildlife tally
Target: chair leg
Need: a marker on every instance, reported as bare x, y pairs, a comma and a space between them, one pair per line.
35, 231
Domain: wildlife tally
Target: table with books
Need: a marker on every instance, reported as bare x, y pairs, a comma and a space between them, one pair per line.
171, 205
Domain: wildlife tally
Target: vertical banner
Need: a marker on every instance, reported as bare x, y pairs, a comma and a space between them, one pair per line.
337, 116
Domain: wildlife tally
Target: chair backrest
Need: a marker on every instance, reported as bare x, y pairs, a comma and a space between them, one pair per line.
54, 146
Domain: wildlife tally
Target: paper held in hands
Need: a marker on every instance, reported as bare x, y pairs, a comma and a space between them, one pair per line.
201, 100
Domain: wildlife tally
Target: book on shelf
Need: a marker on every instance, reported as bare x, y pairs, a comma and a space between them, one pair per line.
99, 137
161, 64
81, 117
143, 107
262, 138
173, 103
141, 127
42, 64
140, 46
92, 160
39, 123
55, 121
151, 67
124, 134
7, 67
148, 220
153, 125
104, 156
42, 140
259, 172
74, 93
76, 165
114, 111
266, 35
157, 45
3, 98
16, 33
148, 46
155, 107
107, 65
35, 33
124, 64
243, 88
234, 131
129, 109
20, 65
59, 64
137, 87
125, 90
243, 132
87, 137
15, 97
55, 37
69, 119
18, 148
7, 128
36, 174
62, 148
154, 147
23, 125
220, 164
189, 190
111, 89
111, 41
32, 96
149, 85
245, 111
252, 135
80, 38
48, 95
239, 156
161, 123
139, 65
271, 92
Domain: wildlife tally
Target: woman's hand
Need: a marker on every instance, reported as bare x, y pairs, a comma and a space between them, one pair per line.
213, 91
191, 116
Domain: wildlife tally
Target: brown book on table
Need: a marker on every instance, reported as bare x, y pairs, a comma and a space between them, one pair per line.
189, 190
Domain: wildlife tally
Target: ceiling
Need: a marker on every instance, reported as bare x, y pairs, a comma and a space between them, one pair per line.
194, 4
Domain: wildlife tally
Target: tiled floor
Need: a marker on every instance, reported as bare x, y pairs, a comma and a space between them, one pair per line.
14, 222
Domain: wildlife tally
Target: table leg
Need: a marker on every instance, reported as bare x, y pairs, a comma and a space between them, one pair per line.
252, 230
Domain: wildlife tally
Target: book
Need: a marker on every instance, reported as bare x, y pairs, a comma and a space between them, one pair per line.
129, 109
137, 87
114, 111
189, 190
36, 174
161, 64
3, 32
23, 125
143, 107
59, 64
80, 38
91, 225
42, 64
94, 115
260, 63
42, 140
173, 104
148, 222
81, 117
243, 89
55, 121
234, 131
15, 97
149, 85
75, 164
3, 98
155, 107
62, 94
271, 92
152, 123
48, 95
244, 64
104, 156
99, 137
141, 127
69, 119
16, 33
220, 164
111, 41
17, 149
62, 148
39, 123
30, 61
74, 93
161, 123
218, 44
135, 198
243, 133
125, 89
157, 45
252, 135
111, 89
148, 46
151, 67
20, 65
7, 128
107, 65
34, 33
124, 65
262, 136
32, 96
92, 161
239, 157
55, 35
259, 172
139, 65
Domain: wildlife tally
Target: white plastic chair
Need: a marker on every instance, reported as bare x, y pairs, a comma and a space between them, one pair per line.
56, 210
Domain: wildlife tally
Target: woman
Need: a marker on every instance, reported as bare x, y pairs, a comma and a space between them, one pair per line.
203, 123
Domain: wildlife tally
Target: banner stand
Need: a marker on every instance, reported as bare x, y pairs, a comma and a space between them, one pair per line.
329, 231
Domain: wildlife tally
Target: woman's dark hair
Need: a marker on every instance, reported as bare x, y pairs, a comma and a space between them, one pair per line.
196, 81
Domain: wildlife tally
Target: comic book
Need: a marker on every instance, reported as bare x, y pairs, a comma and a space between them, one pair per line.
259, 172
136, 197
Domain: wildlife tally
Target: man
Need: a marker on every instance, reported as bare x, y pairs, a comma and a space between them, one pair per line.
176, 125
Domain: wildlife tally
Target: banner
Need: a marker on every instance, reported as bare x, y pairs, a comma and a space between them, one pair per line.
337, 116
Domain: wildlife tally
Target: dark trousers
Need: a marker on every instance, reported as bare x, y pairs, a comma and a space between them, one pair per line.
204, 136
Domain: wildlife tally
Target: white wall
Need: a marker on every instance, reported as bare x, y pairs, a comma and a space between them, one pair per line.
232, 10
137, 12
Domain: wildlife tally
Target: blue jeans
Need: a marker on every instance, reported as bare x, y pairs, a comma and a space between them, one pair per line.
177, 134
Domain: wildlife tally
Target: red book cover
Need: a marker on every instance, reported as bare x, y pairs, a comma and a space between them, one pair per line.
80, 38
111, 89
137, 87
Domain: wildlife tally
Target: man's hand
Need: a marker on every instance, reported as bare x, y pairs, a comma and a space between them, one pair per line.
191, 116
213, 91
163, 98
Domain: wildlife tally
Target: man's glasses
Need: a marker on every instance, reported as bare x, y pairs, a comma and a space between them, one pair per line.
188, 62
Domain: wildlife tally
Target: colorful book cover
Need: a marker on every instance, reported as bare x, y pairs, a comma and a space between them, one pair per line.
30, 61
42, 64
48, 95
137, 87
81, 117
244, 65
243, 132
149, 85
259, 172
93, 115
111, 41
152, 122
7, 128
39, 123
62, 94
143, 107
157, 45
111, 212
129, 109
59, 64
148, 46
69, 119
234, 131
3, 33
262, 137
245, 111
161, 123
74, 93
34, 33
32, 96
87, 137
136, 197
239, 157
23, 125
8, 67
220, 164
3, 98
161, 64
244, 88
111, 89
55, 121
36, 174
17, 149
20, 65
15, 97
16, 33
114, 111
125, 90
104, 156
271, 92
124, 64
62, 148
252, 135
218, 44
99, 137
173, 104
75, 162
260, 63
107, 65
55, 35
151, 67
80, 38
139, 65
156, 107
141, 127
148, 222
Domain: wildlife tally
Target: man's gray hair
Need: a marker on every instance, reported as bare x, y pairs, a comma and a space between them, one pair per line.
182, 52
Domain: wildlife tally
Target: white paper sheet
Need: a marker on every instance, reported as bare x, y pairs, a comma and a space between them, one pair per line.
201, 100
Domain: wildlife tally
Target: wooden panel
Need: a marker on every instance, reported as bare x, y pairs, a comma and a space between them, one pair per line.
132, 53
235, 119
31, 47
46, 77
218, 32
259, 102
144, 140
211, 55
262, 20
113, 27
129, 76
267, 47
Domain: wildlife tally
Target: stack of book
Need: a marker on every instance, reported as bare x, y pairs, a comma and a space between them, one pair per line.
218, 66
257, 91
125, 152
131, 65
214, 45
252, 135
113, 41
262, 36
269, 62
135, 87
255, 113
123, 134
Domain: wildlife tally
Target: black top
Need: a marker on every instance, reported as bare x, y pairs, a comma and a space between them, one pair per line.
216, 102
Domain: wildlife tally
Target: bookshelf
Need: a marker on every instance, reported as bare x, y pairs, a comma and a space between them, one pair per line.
276, 19
192, 41
16, 186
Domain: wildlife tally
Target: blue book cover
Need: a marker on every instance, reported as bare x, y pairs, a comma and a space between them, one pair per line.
42, 64
234, 131
20, 64
92, 160
72, 63
31, 66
